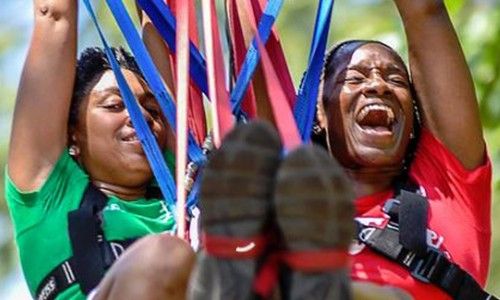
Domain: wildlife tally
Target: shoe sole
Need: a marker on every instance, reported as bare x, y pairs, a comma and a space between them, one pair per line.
235, 200
314, 209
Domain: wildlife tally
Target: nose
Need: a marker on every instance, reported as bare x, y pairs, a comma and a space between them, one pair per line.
145, 113
376, 85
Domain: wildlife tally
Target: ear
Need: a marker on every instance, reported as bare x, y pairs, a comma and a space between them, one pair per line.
73, 139
321, 119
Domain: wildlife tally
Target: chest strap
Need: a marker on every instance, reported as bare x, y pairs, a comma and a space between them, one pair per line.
425, 263
92, 253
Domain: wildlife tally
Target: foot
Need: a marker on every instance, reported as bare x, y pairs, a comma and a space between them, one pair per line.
235, 199
314, 209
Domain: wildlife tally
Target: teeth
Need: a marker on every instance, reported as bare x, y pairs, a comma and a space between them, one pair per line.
131, 138
368, 108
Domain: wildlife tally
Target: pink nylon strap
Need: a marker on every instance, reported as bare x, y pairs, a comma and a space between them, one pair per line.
196, 110
273, 46
219, 97
182, 53
283, 115
280, 99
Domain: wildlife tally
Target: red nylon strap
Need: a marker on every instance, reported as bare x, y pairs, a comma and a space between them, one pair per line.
283, 115
239, 50
306, 261
234, 248
268, 277
313, 261
222, 113
182, 44
273, 46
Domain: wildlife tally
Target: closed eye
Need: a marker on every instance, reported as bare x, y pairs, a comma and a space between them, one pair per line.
354, 79
398, 80
351, 77
152, 108
114, 107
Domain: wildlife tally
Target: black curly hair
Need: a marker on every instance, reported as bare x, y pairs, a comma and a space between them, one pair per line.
91, 64
333, 59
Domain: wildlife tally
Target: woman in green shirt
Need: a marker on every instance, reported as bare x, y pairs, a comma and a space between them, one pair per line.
71, 128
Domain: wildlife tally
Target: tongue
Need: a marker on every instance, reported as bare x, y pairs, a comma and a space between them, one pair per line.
375, 119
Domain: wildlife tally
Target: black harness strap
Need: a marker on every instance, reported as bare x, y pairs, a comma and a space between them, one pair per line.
59, 279
92, 254
404, 240
413, 213
84, 226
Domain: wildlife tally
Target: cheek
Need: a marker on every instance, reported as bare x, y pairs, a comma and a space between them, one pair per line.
160, 129
101, 125
346, 98
408, 109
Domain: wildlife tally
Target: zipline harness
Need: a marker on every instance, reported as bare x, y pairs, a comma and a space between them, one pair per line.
404, 241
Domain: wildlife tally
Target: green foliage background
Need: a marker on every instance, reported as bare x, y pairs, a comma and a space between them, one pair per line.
477, 23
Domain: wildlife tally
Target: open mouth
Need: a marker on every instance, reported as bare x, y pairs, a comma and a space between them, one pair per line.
376, 118
131, 138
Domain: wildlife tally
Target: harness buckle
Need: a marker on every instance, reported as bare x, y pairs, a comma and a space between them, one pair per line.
389, 205
365, 234
427, 267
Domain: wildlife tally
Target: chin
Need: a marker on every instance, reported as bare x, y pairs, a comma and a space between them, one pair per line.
378, 158
139, 169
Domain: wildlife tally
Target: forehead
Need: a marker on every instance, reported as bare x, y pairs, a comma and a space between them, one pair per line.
373, 55
107, 82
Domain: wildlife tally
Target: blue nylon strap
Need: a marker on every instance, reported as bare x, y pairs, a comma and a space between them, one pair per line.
193, 199
150, 72
164, 21
148, 141
305, 105
271, 11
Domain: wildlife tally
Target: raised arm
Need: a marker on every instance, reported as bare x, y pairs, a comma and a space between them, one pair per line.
157, 48
442, 79
39, 130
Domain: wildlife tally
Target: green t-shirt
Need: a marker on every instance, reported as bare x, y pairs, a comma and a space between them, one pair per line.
40, 220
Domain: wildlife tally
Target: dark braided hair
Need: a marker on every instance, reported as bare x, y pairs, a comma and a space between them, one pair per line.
91, 64
333, 59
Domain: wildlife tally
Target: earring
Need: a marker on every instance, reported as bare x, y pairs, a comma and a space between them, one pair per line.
317, 130
74, 150
412, 135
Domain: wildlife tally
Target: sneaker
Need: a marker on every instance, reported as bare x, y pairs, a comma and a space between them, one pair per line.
314, 209
236, 199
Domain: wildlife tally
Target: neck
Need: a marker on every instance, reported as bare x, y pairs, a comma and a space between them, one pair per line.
122, 192
368, 181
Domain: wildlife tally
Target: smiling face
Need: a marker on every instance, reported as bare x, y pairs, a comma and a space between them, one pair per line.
109, 149
368, 108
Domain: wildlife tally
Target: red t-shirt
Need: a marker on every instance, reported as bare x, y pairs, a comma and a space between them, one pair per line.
459, 220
